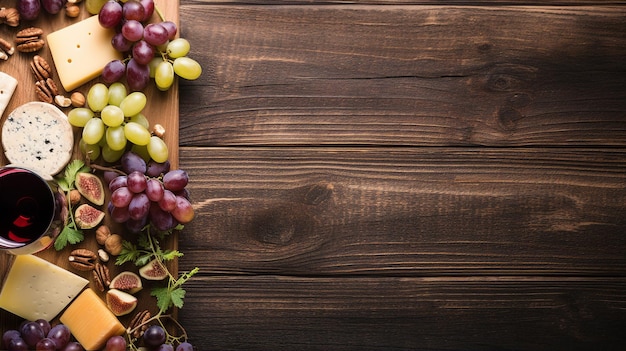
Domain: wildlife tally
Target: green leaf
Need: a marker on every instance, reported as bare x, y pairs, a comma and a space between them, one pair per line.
129, 253
169, 255
63, 185
177, 296
68, 236
163, 298
71, 170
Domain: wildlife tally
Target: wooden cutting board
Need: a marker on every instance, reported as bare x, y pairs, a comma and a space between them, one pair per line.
162, 108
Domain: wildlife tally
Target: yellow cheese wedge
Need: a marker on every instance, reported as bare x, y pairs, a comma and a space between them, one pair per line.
80, 51
36, 288
90, 321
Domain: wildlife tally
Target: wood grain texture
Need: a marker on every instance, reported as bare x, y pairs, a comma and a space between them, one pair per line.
407, 212
300, 313
405, 75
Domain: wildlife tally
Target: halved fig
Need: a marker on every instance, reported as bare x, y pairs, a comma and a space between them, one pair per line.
90, 186
154, 270
87, 216
120, 303
126, 281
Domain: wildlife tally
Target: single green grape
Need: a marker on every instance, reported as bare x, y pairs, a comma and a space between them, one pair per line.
141, 119
110, 155
79, 116
97, 97
164, 75
187, 68
136, 133
112, 116
90, 150
178, 47
134, 103
93, 131
153, 65
117, 93
116, 139
157, 149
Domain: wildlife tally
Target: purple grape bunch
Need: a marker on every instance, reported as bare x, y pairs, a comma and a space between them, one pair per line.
138, 39
39, 335
29, 9
148, 193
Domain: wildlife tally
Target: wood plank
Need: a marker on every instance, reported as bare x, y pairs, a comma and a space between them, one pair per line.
407, 211
405, 75
290, 313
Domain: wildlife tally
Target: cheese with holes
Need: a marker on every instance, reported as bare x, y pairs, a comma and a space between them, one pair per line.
90, 321
35, 288
7, 88
80, 51
38, 136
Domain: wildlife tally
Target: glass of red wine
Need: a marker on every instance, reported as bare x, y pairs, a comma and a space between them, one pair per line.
31, 211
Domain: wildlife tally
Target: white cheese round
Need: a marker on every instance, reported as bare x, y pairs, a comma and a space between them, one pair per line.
38, 136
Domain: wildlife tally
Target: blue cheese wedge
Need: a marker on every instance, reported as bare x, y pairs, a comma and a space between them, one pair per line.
7, 88
38, 136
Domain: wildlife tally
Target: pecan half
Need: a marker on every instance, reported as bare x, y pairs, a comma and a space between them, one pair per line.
7, 48
82, 259
46, 90
40, 68
101, 276
138, 325
10, 16
29, 40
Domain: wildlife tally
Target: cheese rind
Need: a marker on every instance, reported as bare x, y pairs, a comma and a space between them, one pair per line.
35, 288
38, 136
7, 88
80, 51
90, 321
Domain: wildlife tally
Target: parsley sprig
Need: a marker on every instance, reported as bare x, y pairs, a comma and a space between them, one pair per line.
146, 249
71, 233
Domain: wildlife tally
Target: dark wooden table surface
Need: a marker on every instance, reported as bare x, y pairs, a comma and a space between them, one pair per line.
395, 175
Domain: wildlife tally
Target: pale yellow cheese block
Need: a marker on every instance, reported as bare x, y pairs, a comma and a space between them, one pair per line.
90, 321
80, 51
7, 88
36, 288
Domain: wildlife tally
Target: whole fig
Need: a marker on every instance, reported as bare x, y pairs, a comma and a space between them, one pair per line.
28, 9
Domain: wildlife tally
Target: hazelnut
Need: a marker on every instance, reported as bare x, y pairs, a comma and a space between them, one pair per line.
113, 244
158, 130
102, 234
62, 101
74, 197
72, 11
78, 99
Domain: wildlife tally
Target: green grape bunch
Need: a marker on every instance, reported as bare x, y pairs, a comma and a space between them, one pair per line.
113, 122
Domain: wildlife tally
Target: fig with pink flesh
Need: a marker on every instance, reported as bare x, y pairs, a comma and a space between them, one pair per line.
90, 186
120, 303
154, 270
126, 281
87, 216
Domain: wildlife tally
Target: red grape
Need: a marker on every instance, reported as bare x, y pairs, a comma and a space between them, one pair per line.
171, 29
120, 43
139, 206
183, 212
154, 190
45, 344
155, 34
118, 182
162, 220
60, 334
148, 6
133, 10
113, 71
119, 214
110, 14
168, 202
143, 52
184, 346
137, 75
116, 343
28, 9
132, 30
175, 180
154, 336
53, 6
132, 162
136, 182
121, 197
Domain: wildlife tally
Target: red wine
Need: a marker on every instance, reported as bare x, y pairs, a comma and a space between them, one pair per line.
27, 207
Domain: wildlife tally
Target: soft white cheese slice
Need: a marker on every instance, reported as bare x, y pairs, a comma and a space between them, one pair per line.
38, 136
7, 88
35, 288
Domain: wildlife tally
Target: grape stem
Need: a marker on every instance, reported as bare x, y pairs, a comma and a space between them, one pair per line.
104, 168
160, 317
159, 13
